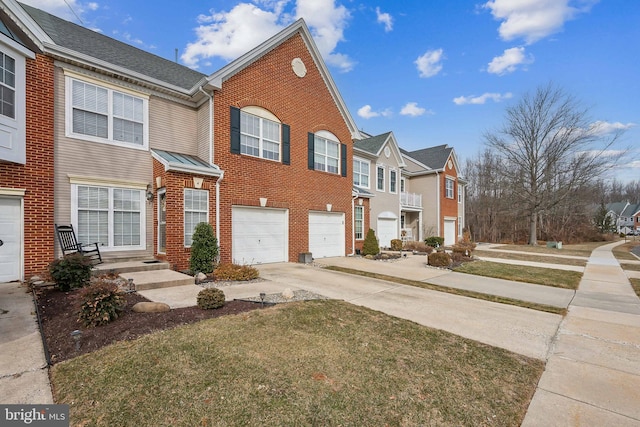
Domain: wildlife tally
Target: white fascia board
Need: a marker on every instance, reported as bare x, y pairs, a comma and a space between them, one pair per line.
26, 23
23, 50
219, 77
427, 168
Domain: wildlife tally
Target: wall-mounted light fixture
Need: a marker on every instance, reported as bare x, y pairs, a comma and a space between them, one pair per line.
149, 194
329, 207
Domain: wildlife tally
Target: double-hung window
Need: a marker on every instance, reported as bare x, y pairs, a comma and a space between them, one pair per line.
113, 217
196, 210
103, 114
449, 183
259, 137
380, 178
359, 222
7, 86
326, 155
393, 181
361, 173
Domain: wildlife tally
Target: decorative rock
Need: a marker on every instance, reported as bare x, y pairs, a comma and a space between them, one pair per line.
200, 277
151, 307
287, 293
35, 279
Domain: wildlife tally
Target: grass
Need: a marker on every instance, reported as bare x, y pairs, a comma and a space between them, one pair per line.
520, 273
535, 258
324, 363
631, 267
623, 252
581, 249
455, 291
635, 283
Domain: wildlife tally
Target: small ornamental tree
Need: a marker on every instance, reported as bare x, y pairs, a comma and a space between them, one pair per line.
370, 245
204, 249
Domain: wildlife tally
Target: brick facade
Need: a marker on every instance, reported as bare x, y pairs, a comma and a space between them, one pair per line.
306, 105
448, 207
36, 176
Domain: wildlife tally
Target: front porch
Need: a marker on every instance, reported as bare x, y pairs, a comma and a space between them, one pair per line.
145, 274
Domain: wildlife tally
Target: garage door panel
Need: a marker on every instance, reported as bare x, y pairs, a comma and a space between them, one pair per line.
449, 232
259, 235
387, 230
10, 235
326, 234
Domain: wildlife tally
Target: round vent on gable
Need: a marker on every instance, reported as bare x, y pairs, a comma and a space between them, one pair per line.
298, 67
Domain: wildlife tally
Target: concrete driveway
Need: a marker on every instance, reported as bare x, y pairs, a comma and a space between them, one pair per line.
524, 331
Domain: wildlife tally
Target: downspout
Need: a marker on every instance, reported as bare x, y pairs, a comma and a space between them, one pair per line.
220, 178
353, 225
211, 149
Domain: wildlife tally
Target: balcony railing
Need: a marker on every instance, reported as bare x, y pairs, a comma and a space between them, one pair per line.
412, 200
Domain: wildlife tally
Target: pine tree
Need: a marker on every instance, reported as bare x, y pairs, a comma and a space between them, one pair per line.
370, 245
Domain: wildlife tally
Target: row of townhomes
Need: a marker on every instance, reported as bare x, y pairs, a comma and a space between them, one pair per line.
625, 216
134, 150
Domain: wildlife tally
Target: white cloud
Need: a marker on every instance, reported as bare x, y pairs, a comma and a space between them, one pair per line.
482, 99
429, 64
366, 112
509, 61
412, 109
605, 128
230, 34
533, 20
386, 19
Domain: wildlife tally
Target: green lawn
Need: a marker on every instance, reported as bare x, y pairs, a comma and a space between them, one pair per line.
541, 276
531, 257
325, 363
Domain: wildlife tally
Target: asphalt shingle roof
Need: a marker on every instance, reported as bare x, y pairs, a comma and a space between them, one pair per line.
433, 157
372, 145
91, 43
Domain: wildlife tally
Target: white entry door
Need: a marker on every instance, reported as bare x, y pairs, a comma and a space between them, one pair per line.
449, 232
387, 231
326, 234
260, 235
10, 239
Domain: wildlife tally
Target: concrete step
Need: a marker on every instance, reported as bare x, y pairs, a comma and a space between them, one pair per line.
155, 279
130, 266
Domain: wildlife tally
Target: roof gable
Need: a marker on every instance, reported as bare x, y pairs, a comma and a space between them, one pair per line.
375, 145
299, 27
432, 157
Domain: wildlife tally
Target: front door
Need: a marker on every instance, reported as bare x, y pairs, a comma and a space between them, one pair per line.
162, 221
10, 239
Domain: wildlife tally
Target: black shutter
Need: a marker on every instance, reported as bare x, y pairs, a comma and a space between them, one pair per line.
343, 159
310, 151
286, 145
235, 130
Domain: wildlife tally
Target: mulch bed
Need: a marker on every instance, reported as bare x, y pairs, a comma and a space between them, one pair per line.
59, 317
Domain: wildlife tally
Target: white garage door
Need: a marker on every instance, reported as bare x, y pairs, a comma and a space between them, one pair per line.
326, 234
10, 239
259, 235
387, 231
449, 232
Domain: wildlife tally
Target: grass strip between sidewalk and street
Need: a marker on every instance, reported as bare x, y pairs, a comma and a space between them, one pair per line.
455, 291
635, 283
323, 363
537, 275
547, 259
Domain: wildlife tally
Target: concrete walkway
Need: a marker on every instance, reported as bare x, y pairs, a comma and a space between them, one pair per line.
592, 376
24, 377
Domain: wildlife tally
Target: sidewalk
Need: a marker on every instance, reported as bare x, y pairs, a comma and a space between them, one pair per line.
24, 377
592, 376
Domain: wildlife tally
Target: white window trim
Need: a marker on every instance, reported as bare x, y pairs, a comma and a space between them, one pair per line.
330, 138
355, 220
378, 169
184, 211
143, 214
262, 114
13, 138
393, 172
69, 78
448, 180
459, 193
368, 168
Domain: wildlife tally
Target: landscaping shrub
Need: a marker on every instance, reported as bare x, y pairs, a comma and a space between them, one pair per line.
204, 249
414, 245
235, 272
434, 241
210, 298
370, 245
71, 271
465, 246
101, 303
396, 245
439, 259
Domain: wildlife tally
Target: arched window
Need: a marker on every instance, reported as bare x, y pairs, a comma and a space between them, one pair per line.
326, 153
257, 132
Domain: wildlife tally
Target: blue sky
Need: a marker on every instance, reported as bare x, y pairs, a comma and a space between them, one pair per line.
433, 72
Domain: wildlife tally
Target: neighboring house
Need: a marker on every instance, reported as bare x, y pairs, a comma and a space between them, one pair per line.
433, 173
26, 151
146, 148
624, 215
377, 170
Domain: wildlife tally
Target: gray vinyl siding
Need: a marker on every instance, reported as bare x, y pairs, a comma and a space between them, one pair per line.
95, 160
173, 126
203, 133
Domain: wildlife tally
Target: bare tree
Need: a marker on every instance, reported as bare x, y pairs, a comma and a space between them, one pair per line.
549, 149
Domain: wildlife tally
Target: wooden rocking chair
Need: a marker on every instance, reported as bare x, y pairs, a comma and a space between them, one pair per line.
69, 244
